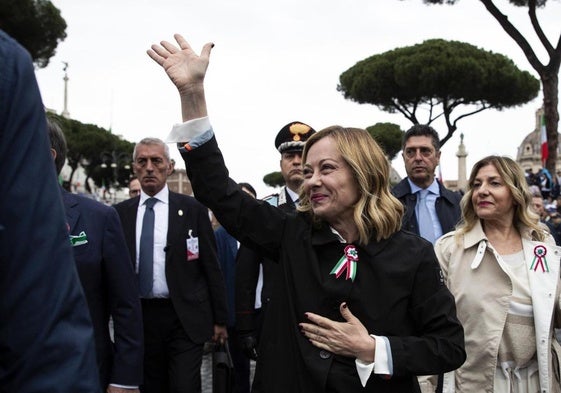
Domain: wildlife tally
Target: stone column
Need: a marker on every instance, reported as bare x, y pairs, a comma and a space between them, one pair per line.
462, 154
65, 112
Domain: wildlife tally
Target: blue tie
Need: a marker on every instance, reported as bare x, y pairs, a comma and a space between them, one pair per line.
426, 226
146, 250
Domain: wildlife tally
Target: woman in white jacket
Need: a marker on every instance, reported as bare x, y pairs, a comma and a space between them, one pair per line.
503, 269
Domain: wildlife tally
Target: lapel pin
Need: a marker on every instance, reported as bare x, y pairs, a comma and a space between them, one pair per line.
180, 212
539, 259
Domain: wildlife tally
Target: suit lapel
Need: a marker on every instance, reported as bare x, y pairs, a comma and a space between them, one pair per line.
128, 222
129, 218
71, 207
542, 264
175, 216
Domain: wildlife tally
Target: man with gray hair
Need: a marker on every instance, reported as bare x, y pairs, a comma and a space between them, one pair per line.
173, 250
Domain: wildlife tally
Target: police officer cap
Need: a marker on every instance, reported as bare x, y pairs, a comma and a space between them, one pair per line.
293, 137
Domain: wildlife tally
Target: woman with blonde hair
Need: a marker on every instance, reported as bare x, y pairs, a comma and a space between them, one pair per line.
503, 269
342, 251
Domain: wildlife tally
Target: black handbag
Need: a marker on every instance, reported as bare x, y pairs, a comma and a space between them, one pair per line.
222, 369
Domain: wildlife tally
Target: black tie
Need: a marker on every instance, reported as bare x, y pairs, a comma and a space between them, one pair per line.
146, 250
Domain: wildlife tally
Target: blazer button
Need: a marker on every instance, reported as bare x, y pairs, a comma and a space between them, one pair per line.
324, 354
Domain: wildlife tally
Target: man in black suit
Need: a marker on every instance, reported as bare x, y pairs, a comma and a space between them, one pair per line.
107, 277
181, 286
46, 337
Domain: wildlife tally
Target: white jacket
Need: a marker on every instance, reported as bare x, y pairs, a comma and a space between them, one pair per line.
483, 289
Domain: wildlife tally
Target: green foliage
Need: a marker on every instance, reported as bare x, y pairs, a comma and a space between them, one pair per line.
36, 24
438, 69
388, 136
273, 179
91, 146
439, 74
547, 70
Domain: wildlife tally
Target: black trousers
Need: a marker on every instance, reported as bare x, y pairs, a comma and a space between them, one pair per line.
241, 363
172, 362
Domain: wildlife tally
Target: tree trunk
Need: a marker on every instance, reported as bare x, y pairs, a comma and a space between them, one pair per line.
550, 83
548, 72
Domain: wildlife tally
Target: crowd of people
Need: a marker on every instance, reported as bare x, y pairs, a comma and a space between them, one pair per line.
338, 283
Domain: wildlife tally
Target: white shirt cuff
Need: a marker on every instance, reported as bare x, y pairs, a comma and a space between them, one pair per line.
189, 130
381, 362
124, 386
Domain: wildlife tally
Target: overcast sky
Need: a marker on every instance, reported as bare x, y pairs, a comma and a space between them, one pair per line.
273, 62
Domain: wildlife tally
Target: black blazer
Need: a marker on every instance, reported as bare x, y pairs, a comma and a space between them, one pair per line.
196, 288
247, 275
398, 292
109, 284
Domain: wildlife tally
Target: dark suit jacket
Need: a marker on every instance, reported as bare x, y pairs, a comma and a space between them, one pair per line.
247, 275
398, 292
447, 207
227, 248
46, 338
196, 288
110, 287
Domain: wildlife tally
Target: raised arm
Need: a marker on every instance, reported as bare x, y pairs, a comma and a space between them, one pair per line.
187, 71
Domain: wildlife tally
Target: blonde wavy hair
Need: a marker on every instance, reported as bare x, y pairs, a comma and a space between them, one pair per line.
377, 212
513, 176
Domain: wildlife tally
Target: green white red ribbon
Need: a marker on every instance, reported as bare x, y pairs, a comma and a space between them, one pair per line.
539, 259
348, 263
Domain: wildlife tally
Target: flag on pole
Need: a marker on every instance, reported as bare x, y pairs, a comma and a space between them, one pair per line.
543, 134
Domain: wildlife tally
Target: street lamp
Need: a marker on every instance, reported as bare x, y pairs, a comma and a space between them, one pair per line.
115, 161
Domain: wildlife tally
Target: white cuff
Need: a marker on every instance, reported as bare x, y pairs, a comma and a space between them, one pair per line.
185, 132
380, 365
131, 387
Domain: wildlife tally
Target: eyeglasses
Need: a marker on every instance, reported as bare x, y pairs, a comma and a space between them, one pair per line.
411, 152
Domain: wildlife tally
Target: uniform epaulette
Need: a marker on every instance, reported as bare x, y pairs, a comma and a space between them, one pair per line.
272, 199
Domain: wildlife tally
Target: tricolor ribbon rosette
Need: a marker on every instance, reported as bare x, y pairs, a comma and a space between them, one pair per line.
539, 259
347, 263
